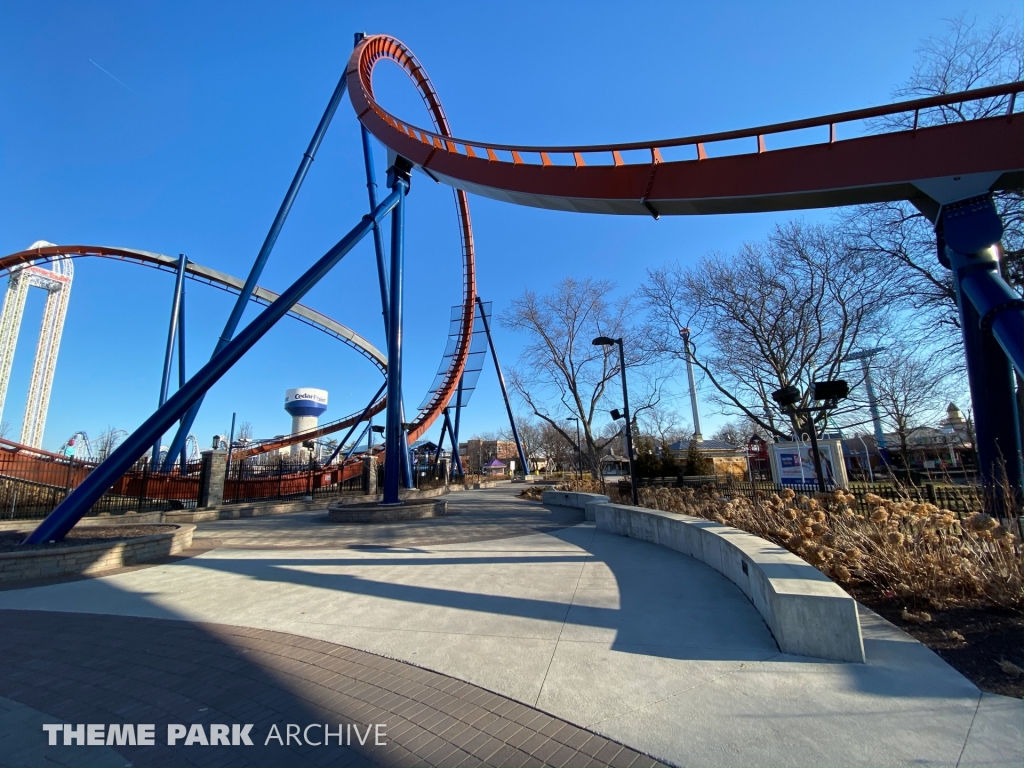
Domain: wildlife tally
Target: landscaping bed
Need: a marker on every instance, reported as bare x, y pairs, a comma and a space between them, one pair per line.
983, 643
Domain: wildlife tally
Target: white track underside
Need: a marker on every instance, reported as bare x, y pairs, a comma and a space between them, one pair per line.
57, 283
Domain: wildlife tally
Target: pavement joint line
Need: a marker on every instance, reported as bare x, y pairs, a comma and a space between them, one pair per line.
967, 737
432, 632
576, 587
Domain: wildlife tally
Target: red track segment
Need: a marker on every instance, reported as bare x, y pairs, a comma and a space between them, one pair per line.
367, 54
596, 179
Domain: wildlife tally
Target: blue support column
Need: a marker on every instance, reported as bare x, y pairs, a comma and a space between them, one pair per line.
172, 330
182, 378
261, 259
80, 500
453, 435
504, 391
363, 415
458, 420
378, 239
368, 433
395, 447
406, 455
992, 323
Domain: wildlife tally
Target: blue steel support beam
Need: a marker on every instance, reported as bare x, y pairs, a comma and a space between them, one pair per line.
504, 391
359, 421
365, 433
456, 457
458, 421
406, 454
378, 239
395, 446
172, 330
261, 258
182, 377
992, 323
71, 510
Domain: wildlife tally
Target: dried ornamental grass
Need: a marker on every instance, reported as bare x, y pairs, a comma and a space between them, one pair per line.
904, 547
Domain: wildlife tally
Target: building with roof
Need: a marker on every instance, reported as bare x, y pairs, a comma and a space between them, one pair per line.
728, 459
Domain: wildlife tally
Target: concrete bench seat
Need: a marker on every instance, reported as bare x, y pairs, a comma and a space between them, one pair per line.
808, 613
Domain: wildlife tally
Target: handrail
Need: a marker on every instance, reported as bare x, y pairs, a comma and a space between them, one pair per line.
448, 143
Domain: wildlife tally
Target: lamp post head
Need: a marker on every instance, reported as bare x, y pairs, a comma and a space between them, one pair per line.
616, 414
684, 334
786, 396
604, 341
830, 390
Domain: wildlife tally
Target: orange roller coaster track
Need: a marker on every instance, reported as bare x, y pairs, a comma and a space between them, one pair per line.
896, 165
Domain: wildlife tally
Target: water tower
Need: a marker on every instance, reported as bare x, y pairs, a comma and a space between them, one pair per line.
305, 405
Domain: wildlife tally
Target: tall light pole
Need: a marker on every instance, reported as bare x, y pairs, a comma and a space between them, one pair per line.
684, 334
606, 341
579, 449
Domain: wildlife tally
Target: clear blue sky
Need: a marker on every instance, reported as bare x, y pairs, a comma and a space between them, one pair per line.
192, 151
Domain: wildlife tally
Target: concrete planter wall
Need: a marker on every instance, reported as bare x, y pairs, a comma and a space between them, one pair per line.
808, 613
92, 558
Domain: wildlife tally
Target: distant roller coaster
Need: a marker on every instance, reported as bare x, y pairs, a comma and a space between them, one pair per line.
57, 283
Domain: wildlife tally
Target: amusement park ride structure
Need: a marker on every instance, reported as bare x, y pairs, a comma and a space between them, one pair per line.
57, 284
948, 171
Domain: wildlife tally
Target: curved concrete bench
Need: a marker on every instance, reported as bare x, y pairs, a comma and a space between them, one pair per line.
809, 614
577, 500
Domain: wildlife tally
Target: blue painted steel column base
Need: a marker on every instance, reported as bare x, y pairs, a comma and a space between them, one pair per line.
992, 323
395, 445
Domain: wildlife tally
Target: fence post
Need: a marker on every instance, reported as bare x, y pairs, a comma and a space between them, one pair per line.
211, 478
929, 489
280, 477
142, 487
370, 475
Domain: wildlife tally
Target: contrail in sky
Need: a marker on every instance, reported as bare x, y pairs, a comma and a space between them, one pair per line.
101, 69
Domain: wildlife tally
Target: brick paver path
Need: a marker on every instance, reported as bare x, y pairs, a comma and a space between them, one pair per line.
87, 668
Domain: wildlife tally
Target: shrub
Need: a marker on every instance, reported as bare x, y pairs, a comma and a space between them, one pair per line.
901, 548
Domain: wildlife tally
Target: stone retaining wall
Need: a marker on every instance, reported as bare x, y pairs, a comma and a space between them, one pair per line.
375, 513
808, 613
252, 509
92, 558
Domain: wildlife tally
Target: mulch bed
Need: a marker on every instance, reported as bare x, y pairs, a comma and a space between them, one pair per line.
991, 651
10, 541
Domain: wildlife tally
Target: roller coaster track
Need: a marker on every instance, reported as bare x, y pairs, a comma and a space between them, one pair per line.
233, 285
896, 165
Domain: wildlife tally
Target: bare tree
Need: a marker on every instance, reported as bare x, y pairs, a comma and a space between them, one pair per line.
664, 424
107, 441
782, 312
739, 431
560, 373
901, 237
912, 389
244, 433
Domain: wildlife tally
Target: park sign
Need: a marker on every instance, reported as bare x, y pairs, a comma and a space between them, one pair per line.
793, 463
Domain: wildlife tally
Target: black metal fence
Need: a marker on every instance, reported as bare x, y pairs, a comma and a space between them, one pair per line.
961, 499
248, 481
32, 485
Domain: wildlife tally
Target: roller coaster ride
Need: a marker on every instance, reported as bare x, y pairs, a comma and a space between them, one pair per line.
947, 171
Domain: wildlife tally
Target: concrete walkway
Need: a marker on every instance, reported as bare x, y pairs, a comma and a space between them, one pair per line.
640, 644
